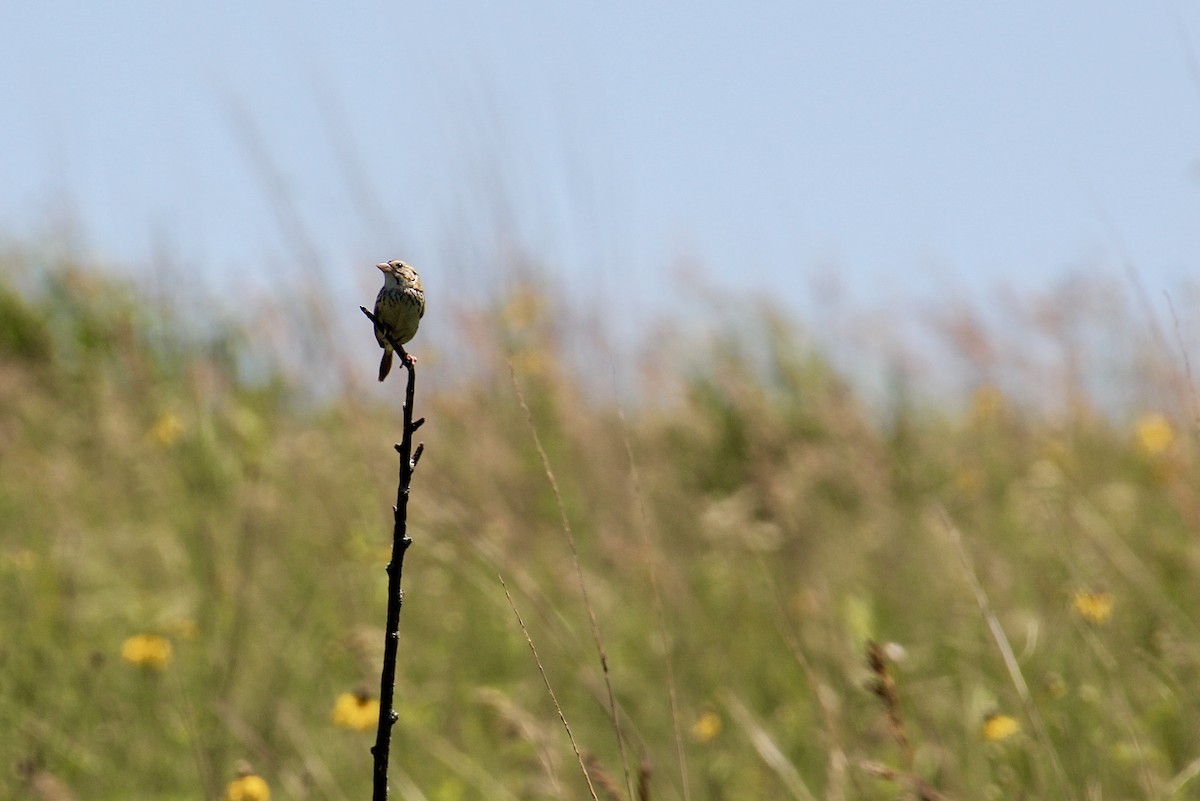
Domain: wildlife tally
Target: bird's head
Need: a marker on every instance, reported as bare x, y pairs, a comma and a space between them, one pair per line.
397, 272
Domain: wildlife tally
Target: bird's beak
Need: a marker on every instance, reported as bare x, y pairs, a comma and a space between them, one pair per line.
384, 267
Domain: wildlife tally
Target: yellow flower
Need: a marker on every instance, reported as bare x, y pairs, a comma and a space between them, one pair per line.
1154, 433
147, 650
707, 727
250, 787
998, 727
356, 710
167, 430
1094, 607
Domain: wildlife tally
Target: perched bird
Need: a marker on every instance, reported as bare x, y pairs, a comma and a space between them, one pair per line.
399, 307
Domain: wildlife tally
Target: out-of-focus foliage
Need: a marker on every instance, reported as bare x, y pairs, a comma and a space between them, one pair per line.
191, 572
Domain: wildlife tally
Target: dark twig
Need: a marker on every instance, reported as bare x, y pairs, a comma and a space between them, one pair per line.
400, 542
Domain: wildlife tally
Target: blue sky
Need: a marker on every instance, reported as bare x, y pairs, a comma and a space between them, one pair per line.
906, 149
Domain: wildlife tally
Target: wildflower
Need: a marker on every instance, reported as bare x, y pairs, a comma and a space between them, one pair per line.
997, 727
356, 710
1154, 433
147, 650
707, 727
167, 430
248, 786
1094, 607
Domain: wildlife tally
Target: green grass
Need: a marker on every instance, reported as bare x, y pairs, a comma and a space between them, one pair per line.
149, 485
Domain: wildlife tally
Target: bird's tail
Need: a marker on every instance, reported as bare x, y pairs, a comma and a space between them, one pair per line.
385, 364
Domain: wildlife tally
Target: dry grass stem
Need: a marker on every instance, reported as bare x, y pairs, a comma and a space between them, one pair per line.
643, 786
883, 686
660, 616
613, 711
918, 787
1064, 788
587, 777
603, 779
769, 751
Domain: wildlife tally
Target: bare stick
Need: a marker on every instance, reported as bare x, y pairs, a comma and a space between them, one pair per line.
400, 542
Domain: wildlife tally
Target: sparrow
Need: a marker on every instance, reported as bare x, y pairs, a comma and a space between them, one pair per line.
399, 307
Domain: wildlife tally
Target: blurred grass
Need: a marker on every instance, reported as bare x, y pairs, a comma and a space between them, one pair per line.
150, 484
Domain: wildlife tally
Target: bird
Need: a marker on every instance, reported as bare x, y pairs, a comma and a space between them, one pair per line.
399, 307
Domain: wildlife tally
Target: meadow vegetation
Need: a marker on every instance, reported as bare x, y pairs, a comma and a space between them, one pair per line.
192, 546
